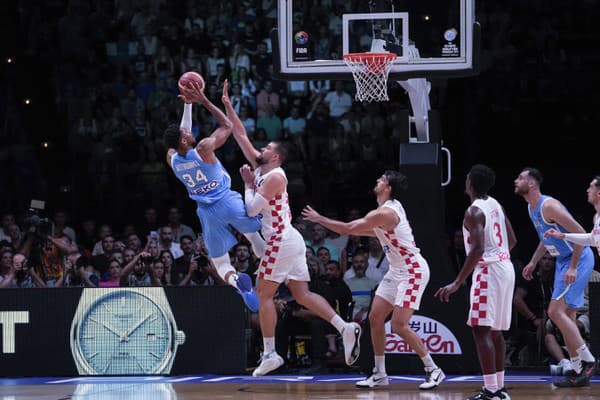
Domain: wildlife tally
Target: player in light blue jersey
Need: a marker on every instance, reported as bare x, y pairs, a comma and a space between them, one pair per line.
574, 265
209, 184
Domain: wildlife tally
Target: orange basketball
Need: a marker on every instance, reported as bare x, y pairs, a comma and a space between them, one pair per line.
191, 76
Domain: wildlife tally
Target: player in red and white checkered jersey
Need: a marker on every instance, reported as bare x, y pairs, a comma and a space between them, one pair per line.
489, 237
402, 287
284, 259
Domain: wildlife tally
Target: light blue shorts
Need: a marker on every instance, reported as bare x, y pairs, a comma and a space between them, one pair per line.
217, 220
574, 296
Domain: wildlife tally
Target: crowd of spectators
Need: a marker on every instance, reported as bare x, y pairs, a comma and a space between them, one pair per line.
112, 69
105, 88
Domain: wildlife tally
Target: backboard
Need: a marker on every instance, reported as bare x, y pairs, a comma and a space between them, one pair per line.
430, 37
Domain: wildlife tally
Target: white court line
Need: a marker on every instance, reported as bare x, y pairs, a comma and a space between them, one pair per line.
464, 378
64, 380
284, 378
187, 378
357, 378
405, 378
221, 379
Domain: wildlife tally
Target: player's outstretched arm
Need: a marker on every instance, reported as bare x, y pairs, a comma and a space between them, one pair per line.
359, 227
584, 239
239, 131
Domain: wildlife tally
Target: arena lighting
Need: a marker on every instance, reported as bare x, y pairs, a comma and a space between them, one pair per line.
45, 144
28, 101
426, 17
9, 60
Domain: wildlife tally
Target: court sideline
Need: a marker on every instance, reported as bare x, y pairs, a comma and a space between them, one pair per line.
277, 387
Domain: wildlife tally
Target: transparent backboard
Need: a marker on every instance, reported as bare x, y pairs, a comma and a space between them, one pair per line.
429, 37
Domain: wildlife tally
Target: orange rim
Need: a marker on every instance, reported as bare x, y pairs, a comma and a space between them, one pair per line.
372, 57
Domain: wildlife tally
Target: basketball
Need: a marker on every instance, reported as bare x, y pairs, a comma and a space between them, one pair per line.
190, 77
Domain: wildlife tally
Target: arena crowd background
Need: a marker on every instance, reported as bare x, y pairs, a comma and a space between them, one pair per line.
87, 88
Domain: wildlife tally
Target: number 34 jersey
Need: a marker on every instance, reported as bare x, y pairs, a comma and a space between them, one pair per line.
205, 183
495, 235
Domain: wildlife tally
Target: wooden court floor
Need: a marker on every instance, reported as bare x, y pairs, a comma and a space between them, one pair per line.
336, 387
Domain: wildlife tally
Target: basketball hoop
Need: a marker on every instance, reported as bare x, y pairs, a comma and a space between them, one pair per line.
370, 72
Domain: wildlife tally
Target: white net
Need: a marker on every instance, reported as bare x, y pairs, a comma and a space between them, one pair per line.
370, 72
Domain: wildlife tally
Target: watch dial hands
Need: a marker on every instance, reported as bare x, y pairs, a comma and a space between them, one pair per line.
109, 328
137, 325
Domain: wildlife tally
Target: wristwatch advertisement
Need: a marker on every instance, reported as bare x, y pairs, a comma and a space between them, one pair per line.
124, 331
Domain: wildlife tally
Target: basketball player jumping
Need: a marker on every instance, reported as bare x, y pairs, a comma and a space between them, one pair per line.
284, 259
402, 287
209, 184
574, 265
489, 237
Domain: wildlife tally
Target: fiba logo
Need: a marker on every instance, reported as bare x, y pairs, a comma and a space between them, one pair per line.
450, 49
301, 38
450, 34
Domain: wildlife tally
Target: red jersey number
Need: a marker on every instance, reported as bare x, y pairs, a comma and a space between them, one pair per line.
498, 233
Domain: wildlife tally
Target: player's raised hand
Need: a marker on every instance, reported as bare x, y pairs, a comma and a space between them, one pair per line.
247, 174
192, 92
311, 214
225, 96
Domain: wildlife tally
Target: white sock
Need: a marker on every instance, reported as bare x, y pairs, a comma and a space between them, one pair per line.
428, 362
584, 353
257, 242
565, 363
338, 323
223, 266
380, 364
576, 364
491, 382
500, 378
269, 344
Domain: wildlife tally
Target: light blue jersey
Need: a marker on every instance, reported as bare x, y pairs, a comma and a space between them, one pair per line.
205, 183
219, 208
562, 250
558, 248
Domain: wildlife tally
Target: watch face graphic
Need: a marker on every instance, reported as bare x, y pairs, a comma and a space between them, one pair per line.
123, 332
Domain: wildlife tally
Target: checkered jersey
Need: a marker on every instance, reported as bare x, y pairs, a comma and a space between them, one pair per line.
398, 243
495, 235
276, 217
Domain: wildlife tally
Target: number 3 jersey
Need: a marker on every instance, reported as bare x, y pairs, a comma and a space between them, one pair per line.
495, 237
205, 183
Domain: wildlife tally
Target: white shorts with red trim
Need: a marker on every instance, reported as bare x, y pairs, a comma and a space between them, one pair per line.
284, 258
404, 286
492, 295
